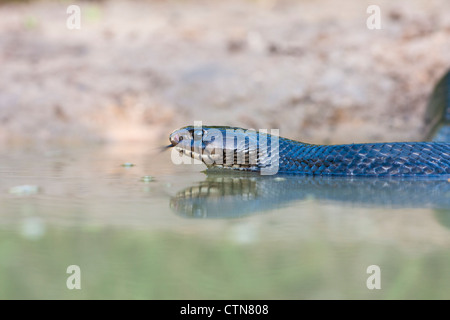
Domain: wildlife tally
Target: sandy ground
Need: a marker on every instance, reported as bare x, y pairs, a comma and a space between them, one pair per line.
137, 70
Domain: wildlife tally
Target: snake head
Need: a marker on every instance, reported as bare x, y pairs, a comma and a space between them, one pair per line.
224, 147
190, 141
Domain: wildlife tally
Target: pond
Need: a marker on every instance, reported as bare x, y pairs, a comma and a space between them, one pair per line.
140, 227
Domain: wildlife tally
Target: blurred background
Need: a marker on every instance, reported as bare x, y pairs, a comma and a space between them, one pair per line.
82, 111
136, 70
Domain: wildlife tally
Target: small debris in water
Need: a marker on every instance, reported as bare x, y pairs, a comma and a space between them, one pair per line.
147, 179
128, 164
24, 190
280, 179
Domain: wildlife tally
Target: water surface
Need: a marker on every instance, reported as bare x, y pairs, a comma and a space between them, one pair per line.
189, 235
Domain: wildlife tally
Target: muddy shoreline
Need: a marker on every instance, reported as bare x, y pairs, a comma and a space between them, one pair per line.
137, 70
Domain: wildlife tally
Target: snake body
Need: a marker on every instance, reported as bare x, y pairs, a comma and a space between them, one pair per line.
377, 159
239, 149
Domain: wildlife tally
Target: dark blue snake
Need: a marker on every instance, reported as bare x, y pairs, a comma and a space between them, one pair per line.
248, 150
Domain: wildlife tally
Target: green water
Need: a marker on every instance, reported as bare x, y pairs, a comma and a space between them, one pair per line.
84, 208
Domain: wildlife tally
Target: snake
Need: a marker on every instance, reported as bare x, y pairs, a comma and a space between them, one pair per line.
239, 149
